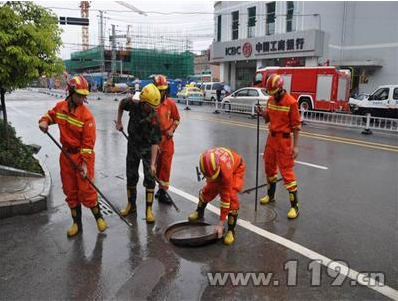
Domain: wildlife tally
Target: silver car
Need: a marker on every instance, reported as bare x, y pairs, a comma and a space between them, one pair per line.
245, 99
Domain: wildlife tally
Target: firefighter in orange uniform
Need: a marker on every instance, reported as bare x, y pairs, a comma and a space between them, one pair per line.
169, 118
224, 170
283, 115
77, 135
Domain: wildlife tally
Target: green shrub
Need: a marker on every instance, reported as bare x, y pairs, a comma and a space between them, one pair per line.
13, 153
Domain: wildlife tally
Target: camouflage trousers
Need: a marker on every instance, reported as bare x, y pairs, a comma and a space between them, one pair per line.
134, 156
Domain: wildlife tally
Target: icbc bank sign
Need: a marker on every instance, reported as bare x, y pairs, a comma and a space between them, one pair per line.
246, 50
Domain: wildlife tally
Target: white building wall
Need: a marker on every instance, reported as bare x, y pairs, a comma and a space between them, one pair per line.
355, 31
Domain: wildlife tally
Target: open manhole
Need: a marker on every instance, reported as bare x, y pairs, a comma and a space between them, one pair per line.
191, 234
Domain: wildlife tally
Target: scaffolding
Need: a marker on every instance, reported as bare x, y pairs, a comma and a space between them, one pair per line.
142, 53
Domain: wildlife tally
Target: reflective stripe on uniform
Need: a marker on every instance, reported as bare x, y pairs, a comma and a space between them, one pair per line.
230, 154
163, 183
49, 117
272, 179
278, 108
224, 205
291, 184
69, 119
86, 151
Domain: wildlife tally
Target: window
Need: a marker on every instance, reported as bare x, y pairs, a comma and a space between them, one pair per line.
235, 25
219, 28
251, 22
252, 93
241, 93
380, 94
395, 94
264, 92
290, 20
208, 87
258, 78
270, 20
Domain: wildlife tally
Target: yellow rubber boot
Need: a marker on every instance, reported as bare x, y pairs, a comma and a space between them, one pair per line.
232, 219
229, 238
101, 224
294, 210
194, 216
131, 201
267, 199
77, 221
73, 230
126, 211
270, 197
199, 212
149, 217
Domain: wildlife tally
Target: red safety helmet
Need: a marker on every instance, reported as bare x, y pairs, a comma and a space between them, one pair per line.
209, 164
274, 84
161, 82
79, 85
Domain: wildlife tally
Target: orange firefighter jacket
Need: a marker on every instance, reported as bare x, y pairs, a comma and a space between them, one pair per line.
228, 182
77, 128
169, 118
284, 116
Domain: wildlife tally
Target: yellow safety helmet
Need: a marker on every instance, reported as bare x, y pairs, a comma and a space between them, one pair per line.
151, 95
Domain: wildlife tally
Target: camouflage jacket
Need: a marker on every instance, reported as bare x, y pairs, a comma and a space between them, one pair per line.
144, 131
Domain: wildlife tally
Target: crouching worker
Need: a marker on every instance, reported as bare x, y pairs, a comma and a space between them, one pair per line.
77, 135
224, 170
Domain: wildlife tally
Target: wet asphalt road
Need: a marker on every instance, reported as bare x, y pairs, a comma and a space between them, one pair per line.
349, 212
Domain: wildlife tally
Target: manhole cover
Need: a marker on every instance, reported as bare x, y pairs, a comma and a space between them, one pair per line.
191, 234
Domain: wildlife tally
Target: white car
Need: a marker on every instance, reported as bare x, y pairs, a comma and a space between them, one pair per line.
245, 99
354, 102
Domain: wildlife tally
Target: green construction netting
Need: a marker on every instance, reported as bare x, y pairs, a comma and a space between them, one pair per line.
141, 62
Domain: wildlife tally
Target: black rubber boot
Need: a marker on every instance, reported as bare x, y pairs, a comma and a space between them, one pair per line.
101, 224
294, 210
232, 219
164, 197
270, 197
150, 218
199, 212
77, 221
131, 201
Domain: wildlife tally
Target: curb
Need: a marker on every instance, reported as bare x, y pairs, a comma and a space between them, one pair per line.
28, 206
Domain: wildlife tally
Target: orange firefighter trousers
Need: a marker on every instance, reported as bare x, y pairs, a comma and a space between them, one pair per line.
76, 188
279, 153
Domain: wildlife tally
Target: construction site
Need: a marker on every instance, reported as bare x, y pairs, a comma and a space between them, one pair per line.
135, 53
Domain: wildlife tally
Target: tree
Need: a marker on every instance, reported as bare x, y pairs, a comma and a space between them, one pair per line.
29, 41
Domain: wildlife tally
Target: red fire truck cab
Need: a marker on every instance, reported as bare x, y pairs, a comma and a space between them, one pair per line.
315, 88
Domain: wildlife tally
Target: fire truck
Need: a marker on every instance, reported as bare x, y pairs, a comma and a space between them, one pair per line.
315, 88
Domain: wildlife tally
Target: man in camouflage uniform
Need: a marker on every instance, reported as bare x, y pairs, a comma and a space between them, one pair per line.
144, 137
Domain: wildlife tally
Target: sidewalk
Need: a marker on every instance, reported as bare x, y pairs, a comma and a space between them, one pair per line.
23, 192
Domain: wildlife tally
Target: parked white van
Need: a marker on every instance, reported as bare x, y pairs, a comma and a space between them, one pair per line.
210, 91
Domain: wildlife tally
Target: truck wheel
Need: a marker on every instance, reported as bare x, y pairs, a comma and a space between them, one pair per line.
305, 105
213, 99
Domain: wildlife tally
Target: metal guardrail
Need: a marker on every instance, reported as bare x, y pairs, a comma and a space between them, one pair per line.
367, 122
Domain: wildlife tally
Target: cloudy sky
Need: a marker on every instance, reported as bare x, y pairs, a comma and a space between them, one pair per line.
175, 18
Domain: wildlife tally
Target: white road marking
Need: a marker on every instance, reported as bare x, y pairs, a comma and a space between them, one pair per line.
312, 165
308, 164
361, 278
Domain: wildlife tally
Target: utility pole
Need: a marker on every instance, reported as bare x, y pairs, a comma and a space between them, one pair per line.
102, 43
113, 41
